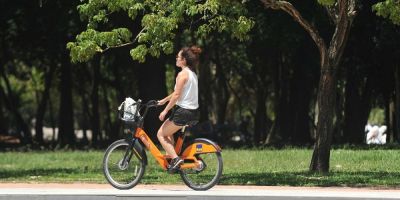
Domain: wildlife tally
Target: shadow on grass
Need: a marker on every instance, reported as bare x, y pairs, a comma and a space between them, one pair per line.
348, 179
351, 179
15, 174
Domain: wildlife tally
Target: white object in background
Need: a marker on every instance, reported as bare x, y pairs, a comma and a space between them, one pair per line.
375, 134
381, 136
372, 134
368, 127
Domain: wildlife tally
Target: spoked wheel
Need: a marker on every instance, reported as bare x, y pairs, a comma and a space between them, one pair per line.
207, 174
122, 167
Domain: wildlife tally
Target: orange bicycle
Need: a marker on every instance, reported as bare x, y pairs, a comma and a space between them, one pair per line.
125, 160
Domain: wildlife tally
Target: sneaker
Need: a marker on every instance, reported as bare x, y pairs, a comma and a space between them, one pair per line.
175, 164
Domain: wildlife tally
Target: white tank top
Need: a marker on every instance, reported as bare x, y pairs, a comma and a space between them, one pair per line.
189, 96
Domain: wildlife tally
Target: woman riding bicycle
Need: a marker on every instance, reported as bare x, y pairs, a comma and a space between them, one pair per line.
199, 163
183, 102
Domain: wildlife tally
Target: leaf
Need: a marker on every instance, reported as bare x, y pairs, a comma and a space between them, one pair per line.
326, 2
388, 9
161, 20
139, 53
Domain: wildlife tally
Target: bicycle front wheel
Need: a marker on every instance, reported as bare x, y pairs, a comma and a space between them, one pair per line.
122, 167
208, 173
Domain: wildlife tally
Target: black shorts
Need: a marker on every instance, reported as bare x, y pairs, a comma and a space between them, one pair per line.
181, 116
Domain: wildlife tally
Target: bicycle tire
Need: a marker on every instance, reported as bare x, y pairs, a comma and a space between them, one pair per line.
122, 170
216, 163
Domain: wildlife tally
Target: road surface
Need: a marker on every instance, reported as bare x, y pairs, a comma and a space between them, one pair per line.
76, 191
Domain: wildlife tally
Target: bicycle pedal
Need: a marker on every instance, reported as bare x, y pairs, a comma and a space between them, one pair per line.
172, 171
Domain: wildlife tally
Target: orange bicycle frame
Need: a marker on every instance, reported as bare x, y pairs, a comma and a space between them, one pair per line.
199, 147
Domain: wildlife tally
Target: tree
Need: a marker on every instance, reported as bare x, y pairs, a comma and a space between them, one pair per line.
159, 22
389, 9
24, 30
341, 12
155, 26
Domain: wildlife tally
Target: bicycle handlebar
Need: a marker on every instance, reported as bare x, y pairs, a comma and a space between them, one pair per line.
141, 108
151, 103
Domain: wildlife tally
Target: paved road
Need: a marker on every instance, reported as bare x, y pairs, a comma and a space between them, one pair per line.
150, 192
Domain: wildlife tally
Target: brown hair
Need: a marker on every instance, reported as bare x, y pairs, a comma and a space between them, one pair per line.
191, 55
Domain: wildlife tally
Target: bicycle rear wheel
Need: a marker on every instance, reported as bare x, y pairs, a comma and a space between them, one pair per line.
122, 167
207, 175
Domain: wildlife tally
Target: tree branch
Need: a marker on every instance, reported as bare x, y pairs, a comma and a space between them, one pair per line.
292, 11
332, 12
346, 14
122, 45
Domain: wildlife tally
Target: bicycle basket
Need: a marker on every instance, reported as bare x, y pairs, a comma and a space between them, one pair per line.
128, 110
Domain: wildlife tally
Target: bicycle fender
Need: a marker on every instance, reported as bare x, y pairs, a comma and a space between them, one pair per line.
199, 146
140, 151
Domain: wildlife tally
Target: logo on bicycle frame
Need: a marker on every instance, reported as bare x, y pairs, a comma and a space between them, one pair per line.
199, 147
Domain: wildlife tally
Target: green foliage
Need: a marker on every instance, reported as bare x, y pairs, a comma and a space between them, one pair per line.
326, 2
25, 83
139, 53
389, 9
91, 41
37, 78
170, 76
160, 21
377, 116
371, 167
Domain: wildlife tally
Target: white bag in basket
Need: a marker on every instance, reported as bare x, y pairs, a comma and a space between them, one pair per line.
129, 108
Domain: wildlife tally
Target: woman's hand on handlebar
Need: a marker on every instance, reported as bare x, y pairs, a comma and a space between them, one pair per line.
161, 102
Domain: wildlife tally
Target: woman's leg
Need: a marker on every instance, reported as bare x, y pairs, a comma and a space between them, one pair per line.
164, 135
172, 139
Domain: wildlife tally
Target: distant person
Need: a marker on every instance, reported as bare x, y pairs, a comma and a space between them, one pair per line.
183, 102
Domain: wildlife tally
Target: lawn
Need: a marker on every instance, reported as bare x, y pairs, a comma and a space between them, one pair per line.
357, 168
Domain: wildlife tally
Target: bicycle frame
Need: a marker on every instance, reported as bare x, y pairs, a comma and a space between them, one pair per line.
202, 160
188, 155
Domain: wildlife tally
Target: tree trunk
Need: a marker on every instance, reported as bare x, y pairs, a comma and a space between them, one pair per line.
357, 107
151, 85
52, 121
397, 103
389, 117
66, 135
260, 120
338, 122
110, 127
117, 74
392, 120
205, 95
83, 83
352, 109
41, 109
222, 92
86, 113
26, 136
300, 99
341, 13
3, 120
326, 108
95, 119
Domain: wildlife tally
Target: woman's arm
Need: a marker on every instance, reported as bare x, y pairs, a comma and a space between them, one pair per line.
165, 100
180, 82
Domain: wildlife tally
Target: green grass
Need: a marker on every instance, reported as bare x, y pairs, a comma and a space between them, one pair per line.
356, 168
